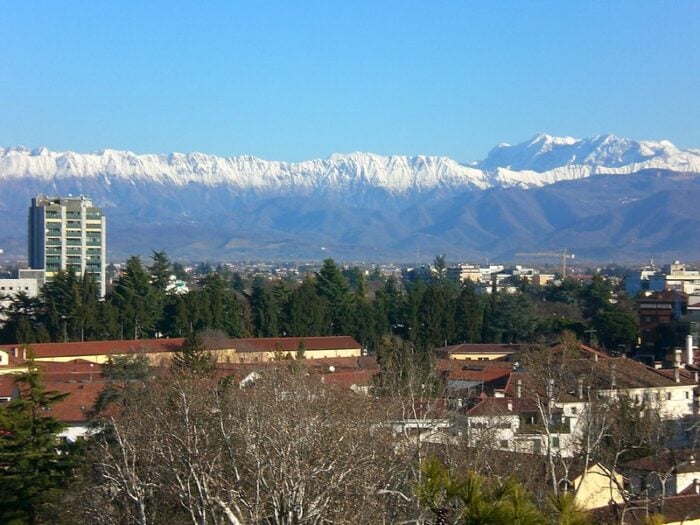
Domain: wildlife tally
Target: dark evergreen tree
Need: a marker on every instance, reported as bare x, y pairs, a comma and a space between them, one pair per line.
436, 317
440, 268
136, 301
126, 376
510, 319
334, 288
264, 311
23, 320
86, 311
161, 270
176, 319
411, 314
61, 296
616, 330
390, 308
356, 280
469, 315
179, 272
34, 462
194, 357
306, 312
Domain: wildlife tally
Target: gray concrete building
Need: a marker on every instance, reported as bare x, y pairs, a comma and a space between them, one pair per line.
68, 232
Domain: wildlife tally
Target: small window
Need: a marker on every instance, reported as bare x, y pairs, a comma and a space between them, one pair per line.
555, 441
574, 410
503, 443
668, 396
687, 395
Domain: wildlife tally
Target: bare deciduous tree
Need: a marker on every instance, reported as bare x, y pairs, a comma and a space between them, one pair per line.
285, 450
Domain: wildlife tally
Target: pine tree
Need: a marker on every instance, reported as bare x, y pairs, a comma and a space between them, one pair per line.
35, 464
334, 287
161, 270
264, 310
307, 313
136, 301
193, 356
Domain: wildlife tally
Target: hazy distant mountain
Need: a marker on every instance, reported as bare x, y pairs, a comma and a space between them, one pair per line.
607, 196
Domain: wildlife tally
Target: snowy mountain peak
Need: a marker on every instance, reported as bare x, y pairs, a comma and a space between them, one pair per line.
544, 159
543, 139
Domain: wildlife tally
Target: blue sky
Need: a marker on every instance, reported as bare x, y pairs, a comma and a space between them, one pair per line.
300, 80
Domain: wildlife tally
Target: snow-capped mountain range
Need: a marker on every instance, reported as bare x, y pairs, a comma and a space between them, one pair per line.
540, 161
604, 197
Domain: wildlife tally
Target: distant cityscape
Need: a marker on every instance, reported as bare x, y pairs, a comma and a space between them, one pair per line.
528, 365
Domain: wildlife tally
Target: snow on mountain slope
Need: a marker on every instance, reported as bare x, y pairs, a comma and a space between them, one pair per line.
545, 159
393, 173
538, 162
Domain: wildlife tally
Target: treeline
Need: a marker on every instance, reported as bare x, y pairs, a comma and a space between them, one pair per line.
331, 301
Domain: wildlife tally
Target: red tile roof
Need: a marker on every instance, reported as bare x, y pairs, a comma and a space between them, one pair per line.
79, 402
283, 344
477, 348
359, 378
43, 350
7, 385
679, 460
291, 344
485, 374
682, 509
502, 406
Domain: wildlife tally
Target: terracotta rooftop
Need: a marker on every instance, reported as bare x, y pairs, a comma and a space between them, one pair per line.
478, 348
502, 406
675, 509
478, 373
679, 460
292, 344
283, 344
43, 350
359, 378
626, 373
7, 385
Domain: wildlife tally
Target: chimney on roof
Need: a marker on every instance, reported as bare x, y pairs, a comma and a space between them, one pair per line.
519, 388
510, 405
550, 389
689, 350
677, 365
613, 375
579, 388
595, 357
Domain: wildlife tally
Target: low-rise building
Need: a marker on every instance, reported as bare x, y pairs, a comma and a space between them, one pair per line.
160, 351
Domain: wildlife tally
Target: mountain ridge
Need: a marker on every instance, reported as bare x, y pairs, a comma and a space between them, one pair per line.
372, 207
542, 160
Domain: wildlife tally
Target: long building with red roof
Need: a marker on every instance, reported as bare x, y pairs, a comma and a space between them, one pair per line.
160, 351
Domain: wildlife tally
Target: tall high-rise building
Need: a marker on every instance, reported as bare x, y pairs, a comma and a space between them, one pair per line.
68, 232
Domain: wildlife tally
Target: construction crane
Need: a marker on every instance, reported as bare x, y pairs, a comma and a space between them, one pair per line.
563, 254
